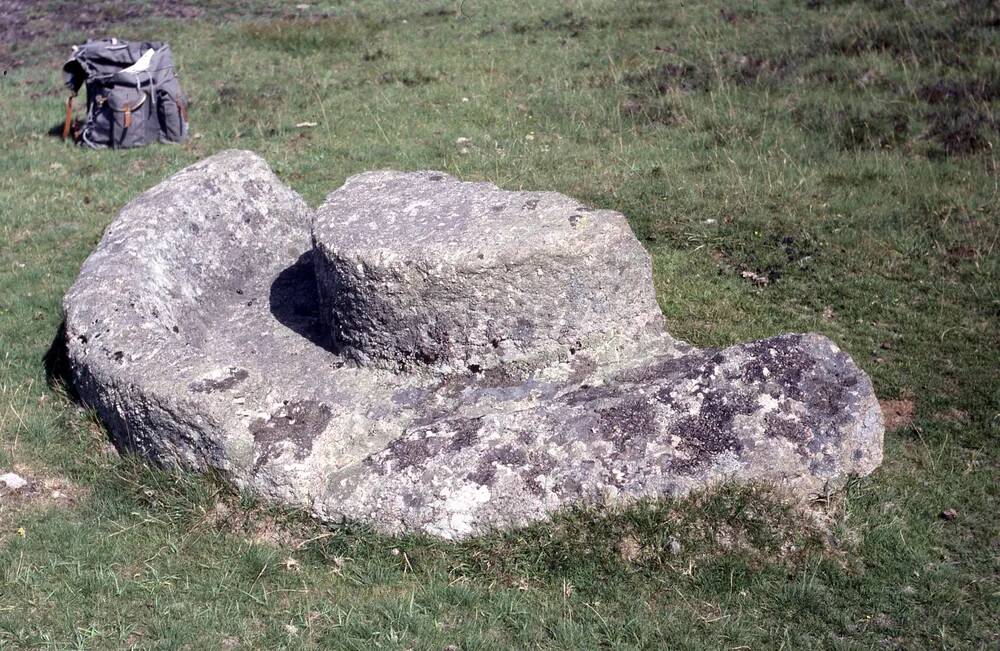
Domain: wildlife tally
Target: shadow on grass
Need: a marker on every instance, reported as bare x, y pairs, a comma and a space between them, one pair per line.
56, 362
56, 131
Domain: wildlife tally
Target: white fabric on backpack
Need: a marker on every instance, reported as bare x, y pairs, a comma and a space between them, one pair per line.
142, 65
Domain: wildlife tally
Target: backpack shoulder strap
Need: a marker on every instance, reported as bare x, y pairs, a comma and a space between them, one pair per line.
69, 116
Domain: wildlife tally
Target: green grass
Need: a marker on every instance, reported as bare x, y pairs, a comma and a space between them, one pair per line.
844, 153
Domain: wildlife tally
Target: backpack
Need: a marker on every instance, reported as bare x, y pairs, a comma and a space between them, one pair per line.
133, 95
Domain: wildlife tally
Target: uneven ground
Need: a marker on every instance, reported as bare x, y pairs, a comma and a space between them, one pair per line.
791, 166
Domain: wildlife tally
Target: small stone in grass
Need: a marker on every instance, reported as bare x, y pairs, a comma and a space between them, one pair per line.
948, 514
13, 481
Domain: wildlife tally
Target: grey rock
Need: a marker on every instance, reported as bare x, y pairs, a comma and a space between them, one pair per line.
421, 269
782, 410
212, 329
13, 481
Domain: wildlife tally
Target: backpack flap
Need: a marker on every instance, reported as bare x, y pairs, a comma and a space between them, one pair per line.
130, 113
73, 75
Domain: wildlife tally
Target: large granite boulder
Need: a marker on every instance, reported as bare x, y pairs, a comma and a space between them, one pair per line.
424, 354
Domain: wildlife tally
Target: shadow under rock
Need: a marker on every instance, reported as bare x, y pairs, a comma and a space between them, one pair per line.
56, 363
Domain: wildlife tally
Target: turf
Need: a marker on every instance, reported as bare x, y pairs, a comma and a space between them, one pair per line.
822, 166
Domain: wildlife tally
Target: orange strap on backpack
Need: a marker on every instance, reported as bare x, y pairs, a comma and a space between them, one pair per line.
69, 117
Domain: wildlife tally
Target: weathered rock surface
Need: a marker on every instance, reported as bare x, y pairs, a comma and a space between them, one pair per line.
421, 269
413, 369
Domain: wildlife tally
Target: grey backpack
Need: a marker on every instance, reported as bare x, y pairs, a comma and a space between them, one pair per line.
133, 95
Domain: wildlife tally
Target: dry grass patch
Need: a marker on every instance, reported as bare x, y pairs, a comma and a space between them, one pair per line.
898, 413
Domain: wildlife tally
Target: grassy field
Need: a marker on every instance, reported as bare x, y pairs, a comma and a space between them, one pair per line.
821, 165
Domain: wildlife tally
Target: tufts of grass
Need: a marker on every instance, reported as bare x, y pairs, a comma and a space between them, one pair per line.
304, 36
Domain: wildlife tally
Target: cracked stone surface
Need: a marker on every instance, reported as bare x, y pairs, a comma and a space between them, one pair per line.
422, 354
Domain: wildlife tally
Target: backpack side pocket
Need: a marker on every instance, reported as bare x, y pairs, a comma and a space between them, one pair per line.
171, 111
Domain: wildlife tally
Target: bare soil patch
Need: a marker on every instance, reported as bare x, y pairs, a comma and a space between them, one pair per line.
898, 413
29, 25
